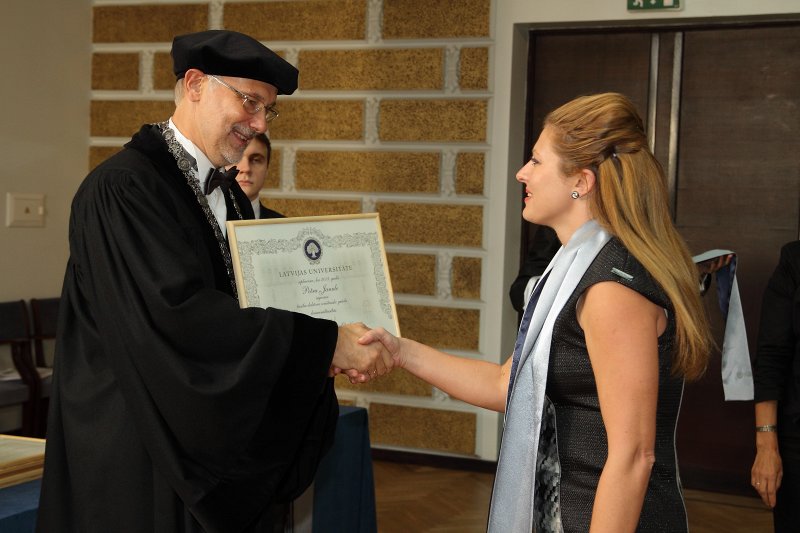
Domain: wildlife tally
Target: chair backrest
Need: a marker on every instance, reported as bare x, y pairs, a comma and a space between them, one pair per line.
45, 325
14, 331
14, 322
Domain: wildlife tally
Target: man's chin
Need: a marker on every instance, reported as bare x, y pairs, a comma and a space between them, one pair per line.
232, 156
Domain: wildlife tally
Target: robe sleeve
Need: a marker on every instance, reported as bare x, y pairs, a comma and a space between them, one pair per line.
233, 405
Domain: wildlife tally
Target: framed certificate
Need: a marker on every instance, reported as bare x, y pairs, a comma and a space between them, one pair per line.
330, 267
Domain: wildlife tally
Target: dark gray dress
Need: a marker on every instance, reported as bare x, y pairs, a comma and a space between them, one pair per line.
574, 445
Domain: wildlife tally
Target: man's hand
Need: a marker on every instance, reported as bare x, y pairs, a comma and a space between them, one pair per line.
712, 265
358, 361
708, 267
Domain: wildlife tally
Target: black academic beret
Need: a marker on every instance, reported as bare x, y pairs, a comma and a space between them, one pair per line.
230, 53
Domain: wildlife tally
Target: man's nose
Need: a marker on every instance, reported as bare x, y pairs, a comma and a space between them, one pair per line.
258, 121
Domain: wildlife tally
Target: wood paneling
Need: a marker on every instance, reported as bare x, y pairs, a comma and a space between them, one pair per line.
570, 65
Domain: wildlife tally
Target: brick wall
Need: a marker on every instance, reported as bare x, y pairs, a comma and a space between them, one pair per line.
391, 116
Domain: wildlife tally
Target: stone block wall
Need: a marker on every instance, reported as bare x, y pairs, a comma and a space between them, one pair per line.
391, 116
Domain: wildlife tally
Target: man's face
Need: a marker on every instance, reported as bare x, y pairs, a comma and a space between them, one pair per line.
253, 168
224, 126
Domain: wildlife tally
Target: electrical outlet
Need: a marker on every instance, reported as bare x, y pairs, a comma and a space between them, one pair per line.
24, 210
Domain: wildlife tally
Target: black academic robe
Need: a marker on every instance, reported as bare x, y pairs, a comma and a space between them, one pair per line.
173, 410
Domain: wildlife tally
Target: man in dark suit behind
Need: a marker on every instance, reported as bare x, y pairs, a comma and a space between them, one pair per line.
253, 169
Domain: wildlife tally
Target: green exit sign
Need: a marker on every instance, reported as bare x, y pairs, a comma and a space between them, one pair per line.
637, 5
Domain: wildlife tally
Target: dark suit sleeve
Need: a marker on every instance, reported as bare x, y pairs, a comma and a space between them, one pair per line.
544, 246
776, 364
266, 212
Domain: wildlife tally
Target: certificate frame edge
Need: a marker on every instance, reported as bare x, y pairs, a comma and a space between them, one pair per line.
232, 225
241, 294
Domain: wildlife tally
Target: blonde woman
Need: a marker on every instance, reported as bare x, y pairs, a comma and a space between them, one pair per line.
593, 390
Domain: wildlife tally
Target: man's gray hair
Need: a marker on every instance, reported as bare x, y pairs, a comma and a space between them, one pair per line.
178, 91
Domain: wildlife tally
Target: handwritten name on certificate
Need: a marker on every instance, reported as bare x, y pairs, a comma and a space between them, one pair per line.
331, 267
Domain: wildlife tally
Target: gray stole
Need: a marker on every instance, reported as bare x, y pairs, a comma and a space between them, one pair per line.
511, 510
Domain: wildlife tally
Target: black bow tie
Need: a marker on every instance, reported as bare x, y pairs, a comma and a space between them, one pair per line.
223, 180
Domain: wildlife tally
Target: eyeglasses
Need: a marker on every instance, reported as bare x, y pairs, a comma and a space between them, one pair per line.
250, 104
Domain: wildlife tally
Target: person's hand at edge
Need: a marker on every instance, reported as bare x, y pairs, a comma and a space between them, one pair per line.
767, 471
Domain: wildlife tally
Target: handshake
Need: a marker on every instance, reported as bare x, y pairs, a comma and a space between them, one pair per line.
363, 354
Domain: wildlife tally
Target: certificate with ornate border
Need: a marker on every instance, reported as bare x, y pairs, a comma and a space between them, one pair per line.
330, 267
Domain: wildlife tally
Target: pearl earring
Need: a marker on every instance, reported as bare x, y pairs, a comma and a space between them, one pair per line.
575, 195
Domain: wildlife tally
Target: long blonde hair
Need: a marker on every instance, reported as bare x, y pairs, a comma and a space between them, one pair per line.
604, 133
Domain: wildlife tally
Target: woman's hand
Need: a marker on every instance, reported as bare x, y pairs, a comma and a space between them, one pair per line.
767, 470
389, 341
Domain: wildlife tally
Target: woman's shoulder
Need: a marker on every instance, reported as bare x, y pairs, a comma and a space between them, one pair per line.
616, 263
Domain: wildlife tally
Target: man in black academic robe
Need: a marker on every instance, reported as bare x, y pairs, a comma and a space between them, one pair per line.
173, 409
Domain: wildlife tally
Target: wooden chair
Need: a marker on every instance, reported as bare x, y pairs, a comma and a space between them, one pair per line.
23, 389
45, 325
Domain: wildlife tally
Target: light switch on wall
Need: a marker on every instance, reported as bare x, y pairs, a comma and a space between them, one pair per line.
24, 210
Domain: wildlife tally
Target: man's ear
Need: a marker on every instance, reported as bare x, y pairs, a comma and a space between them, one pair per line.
193, 84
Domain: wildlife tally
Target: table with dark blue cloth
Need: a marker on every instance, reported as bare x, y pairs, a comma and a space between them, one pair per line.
18, 505
344, 491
